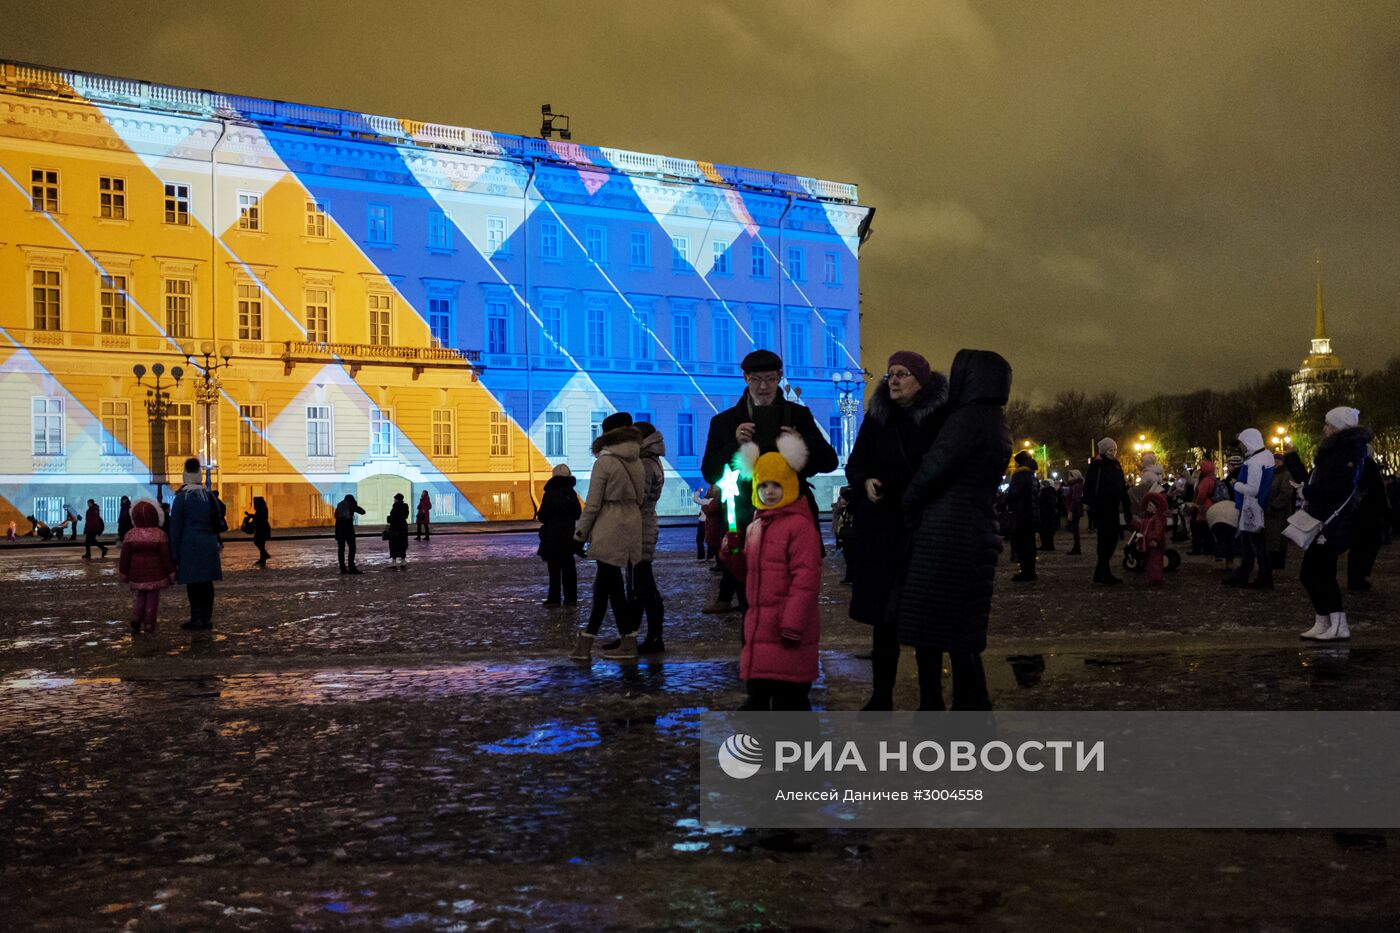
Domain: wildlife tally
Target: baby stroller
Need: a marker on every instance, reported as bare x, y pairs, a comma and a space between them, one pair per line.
1135, 560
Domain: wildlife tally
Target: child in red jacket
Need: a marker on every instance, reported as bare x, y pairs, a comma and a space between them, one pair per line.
146, 565
781, 569
1153, 527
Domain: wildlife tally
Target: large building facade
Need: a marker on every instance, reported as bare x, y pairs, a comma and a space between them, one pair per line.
401, 306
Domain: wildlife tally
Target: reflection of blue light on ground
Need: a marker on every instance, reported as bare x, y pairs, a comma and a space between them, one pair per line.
550, 739
690, 846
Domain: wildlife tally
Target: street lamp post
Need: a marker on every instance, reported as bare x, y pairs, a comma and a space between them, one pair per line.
847, 384
157, 408
207, 393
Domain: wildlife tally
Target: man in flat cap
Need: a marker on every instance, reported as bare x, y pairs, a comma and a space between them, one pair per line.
761, 416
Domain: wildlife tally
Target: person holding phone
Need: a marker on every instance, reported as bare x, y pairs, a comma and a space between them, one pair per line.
760, 417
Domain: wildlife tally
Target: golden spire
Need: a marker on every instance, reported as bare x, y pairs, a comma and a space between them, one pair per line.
1320, 331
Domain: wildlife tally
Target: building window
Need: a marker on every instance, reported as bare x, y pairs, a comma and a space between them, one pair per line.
250, 211
43, 189
723, 337
47, 421
116, 428
640, 416
549, 240
497, 328
380, 227
111, 198
554, 434
831, 269
113, 300
381, 433
49, 509
720, 250
758, 260
179, 430
797, 343
446, 505
500, 434
835, 341
685, 434
177, 204
249, 311
833, 428
439, 230
641, 335
551, 330
315, 218
252, 426
683, 337
597, 331
380, 308
595, 241
797, 264
495, 235
318, 315
762, 333
440, 321
47, 298
595, 425
503, 503
179, 298
111, 508
640, 252
318, 431
444, 432
680, 253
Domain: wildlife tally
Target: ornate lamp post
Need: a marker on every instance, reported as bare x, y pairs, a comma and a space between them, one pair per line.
207, 392
157, 408
848, 384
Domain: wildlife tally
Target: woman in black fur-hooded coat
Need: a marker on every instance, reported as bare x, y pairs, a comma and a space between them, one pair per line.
901, 419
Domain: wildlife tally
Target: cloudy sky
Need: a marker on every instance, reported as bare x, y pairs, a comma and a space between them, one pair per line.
1109, 193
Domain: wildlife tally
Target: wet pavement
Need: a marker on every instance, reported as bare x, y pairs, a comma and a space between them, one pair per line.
410, 749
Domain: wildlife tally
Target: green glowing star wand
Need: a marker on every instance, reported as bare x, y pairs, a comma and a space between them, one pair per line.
729, 492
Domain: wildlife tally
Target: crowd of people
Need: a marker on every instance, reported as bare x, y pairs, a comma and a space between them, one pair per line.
933, 494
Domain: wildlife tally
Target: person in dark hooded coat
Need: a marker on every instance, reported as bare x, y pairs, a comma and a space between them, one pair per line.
559, 510
946, 594
1329, 495
901, 419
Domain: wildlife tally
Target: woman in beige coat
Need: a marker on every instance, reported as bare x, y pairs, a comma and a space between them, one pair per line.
611, 523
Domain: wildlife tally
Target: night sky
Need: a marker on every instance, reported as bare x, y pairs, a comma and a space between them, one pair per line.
1111, 194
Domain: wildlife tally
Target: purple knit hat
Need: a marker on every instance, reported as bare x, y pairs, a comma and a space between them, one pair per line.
916, 364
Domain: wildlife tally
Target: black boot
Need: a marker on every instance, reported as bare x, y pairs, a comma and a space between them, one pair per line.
930, 680
883, 669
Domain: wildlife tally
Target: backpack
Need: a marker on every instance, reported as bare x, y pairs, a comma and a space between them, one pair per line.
1222, 491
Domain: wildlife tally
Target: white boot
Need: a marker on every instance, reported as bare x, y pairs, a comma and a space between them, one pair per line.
1337, 629
583, 647
1320, 625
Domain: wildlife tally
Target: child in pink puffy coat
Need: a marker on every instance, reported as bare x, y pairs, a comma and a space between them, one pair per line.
781, 569
146, 565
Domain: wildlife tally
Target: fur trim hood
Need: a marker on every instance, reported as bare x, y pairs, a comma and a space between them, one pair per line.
1344, 438
654, 445
624, 442
932, 394
560, 482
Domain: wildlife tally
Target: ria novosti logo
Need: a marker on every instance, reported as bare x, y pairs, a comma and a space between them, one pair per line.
741, 756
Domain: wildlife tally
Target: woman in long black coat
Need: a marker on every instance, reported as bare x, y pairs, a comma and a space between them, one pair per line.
559, 511
1329, 495
899, 424
397, 532
946, 597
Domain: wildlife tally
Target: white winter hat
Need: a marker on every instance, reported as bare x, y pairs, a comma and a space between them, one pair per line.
1343, 417
1107, 444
